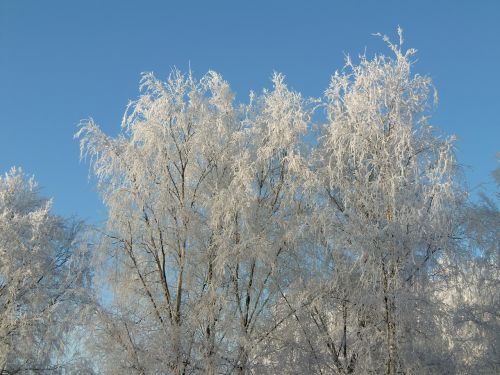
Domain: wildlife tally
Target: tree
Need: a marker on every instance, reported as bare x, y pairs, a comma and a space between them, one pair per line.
473, 296
160, 181
263, 215
42, 278
199, 204
386, 195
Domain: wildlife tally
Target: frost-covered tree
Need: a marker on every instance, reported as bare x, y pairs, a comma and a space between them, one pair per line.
199, 198
473, 293
161, 179
385, 197
253, 239
42, 276
265, 215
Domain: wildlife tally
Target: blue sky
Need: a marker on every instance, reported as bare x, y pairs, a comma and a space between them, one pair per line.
62, 61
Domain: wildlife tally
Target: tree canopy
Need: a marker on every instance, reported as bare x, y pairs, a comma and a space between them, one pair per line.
281, 235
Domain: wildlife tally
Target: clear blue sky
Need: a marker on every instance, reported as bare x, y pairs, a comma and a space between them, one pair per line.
62, 61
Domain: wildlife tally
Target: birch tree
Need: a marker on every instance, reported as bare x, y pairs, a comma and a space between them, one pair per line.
265, 217
160, 179
198, 197
43, 273
386, 203
473, 296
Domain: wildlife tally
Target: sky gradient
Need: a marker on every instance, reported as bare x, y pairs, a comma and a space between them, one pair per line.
63, 61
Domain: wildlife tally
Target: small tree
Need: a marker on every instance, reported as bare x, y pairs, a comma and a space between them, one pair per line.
473, 296
42, 276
